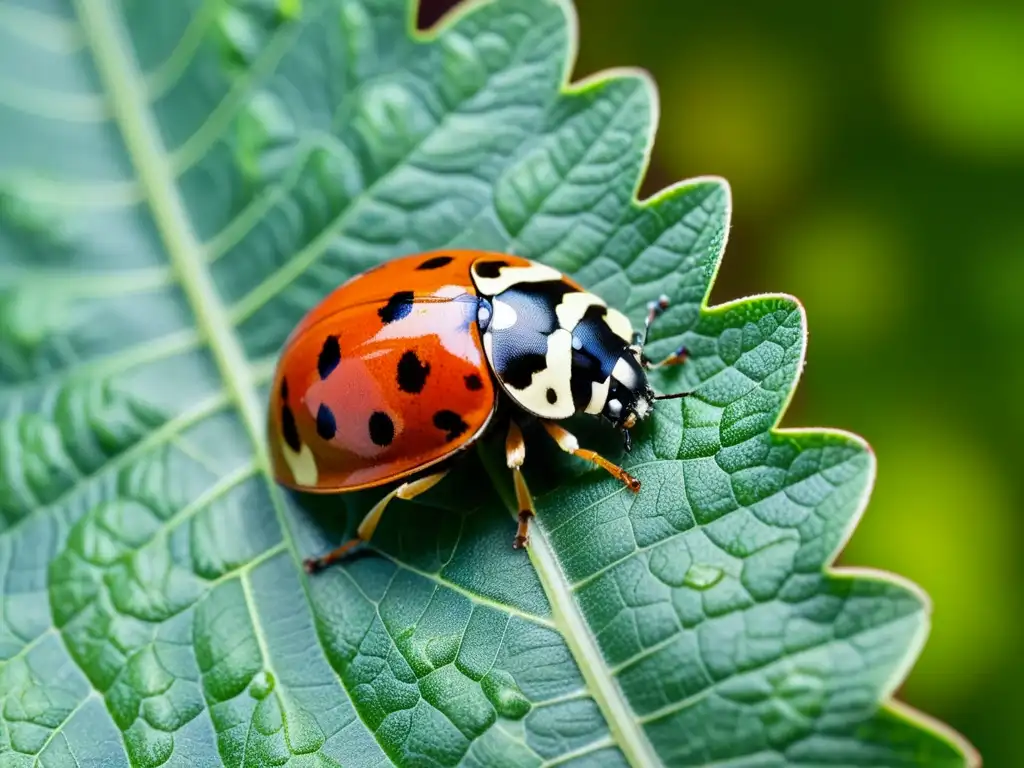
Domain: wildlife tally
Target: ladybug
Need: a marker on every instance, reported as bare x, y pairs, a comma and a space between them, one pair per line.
404, 366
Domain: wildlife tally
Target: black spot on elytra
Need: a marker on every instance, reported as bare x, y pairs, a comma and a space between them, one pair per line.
435, 263
284, 389
330, 356
451, 423
519, 370
473, 382
289, 430
552, 396
382, 428
412, 373
398, 306
325, 424
490, 268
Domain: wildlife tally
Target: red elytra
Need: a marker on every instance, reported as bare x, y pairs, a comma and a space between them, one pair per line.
384, 378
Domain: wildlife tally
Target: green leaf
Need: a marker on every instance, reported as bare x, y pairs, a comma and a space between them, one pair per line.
179, 183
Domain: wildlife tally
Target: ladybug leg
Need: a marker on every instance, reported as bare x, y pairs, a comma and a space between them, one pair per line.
567, 442
676, 358
515, 455
364, 532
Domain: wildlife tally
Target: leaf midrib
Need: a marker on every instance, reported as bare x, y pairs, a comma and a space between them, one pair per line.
120, 74
625, 728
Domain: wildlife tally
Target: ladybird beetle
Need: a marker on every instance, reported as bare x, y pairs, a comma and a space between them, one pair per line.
403, 366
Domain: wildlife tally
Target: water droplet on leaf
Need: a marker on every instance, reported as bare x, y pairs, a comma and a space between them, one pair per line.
262, 684
702, 577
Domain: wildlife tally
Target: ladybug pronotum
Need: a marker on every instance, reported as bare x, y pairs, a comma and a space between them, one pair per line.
402, 367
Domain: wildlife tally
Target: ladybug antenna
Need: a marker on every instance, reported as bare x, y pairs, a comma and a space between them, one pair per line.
672, 396
654, 310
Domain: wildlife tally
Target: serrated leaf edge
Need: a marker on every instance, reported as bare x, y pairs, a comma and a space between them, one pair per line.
119, 72
639, 751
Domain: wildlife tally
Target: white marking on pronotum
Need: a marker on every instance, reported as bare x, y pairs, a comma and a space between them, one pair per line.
598, 396
573, 306
302, 464
489, 348
619, 324
624, 374
504, 316
510, 276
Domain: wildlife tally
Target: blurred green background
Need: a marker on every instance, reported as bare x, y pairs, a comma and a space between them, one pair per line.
876, 156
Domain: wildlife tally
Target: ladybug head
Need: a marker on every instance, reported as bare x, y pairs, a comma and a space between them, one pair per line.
630, 397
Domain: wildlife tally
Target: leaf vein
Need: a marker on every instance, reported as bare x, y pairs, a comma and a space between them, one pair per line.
59, 729
195, 146
305, 258
473, 597
159, 436
789, 657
